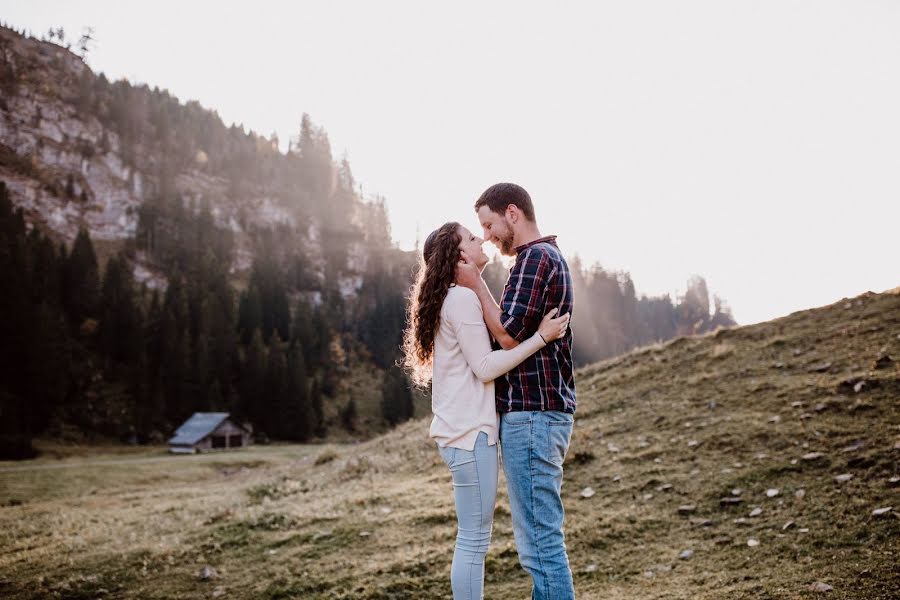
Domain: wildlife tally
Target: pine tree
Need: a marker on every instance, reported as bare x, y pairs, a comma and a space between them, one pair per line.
693, 309
85, 100
34, 363
305, 333
318, 410
297, 413
16, 316
175, 301
47, 370
495, 275
396, 397
45, 269
275, 389
143, 408
200, 374
349, 415
249, 314
381, 325
214, 400
109, 297
152, 355
175, 367
252, 382
277, 317
630, 323
223, 341
722, 316
81, 284
120, 332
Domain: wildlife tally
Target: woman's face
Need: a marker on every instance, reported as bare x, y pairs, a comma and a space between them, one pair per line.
471, 244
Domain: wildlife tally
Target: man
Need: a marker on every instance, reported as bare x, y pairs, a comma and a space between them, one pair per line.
536, 400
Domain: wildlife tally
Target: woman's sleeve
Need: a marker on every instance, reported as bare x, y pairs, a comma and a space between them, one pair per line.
472, 334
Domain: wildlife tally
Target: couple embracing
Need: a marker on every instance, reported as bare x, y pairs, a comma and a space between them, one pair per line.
499, 374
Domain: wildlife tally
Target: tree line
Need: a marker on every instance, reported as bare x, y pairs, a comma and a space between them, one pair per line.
610, 318
94, 350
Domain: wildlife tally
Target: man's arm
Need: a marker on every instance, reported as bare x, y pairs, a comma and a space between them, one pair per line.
492, 313
523, 301
468, 275
521, 308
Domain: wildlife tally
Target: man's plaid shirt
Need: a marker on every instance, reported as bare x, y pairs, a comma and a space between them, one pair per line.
539, 281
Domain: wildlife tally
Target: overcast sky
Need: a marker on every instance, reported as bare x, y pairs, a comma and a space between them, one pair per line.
754, 143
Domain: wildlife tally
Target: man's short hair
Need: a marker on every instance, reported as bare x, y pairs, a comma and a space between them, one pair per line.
500, 195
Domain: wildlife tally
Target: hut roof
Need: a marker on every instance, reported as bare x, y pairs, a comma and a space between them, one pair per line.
197, 427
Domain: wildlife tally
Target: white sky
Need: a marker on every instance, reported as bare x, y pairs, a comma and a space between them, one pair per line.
755, 143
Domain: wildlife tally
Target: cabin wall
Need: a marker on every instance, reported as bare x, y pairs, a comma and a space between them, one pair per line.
227, 436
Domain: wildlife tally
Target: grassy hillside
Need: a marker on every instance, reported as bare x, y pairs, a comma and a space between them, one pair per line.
785, 433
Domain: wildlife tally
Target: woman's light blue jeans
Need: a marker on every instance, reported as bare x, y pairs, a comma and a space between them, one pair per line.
474, 491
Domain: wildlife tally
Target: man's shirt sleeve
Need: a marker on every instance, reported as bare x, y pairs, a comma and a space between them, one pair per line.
522, 304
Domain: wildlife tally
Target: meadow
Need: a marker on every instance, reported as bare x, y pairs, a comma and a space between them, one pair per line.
754, 462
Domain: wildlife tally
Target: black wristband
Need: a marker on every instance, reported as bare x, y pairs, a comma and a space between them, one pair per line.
542, 337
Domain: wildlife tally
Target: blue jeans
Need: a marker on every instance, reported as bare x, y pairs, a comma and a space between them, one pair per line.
474, 491
534, 445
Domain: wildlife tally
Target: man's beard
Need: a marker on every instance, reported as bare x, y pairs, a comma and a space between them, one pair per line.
506, 244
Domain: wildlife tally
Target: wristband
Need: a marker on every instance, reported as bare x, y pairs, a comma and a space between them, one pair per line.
542, 337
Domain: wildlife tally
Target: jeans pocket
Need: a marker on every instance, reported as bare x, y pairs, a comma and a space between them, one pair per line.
559, 434
517, 418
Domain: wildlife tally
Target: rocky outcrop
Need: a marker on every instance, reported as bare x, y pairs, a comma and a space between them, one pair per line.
103, 194
66, 170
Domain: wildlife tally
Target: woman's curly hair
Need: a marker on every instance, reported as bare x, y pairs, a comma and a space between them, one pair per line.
437, 271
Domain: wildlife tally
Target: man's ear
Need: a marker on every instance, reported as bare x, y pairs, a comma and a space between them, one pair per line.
512, 213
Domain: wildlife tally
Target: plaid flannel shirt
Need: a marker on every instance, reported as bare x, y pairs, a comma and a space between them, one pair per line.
539, 280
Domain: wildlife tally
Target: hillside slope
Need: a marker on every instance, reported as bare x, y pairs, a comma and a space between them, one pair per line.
681, 444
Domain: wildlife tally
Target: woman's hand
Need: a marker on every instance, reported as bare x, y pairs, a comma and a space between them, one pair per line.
552, 329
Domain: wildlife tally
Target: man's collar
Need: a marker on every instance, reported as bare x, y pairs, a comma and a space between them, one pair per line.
550, 239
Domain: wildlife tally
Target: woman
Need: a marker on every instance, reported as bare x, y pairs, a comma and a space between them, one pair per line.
447, 343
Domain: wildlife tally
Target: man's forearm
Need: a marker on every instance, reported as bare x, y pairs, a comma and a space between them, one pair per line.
492, 317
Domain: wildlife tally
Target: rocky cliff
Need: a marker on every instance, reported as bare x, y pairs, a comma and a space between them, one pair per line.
76, 150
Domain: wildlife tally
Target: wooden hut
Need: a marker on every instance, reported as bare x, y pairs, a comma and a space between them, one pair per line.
209, 431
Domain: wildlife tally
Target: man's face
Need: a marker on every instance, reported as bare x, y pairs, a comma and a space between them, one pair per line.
497, 230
